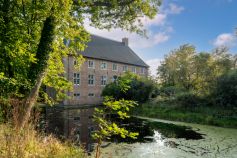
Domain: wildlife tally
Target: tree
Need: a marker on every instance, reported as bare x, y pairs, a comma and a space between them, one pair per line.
177, 68
32, 33
203, 69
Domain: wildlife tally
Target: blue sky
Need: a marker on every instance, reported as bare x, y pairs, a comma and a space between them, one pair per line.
206, 24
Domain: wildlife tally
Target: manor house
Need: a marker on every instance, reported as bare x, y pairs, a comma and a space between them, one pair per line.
106, 59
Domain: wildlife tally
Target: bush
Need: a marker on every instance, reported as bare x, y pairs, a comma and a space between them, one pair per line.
188, 99
170, 91
130, 87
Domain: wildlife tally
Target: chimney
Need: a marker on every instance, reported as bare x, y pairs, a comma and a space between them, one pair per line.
125, 41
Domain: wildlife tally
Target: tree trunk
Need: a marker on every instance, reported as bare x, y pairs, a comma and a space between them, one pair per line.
97, 154
37, 71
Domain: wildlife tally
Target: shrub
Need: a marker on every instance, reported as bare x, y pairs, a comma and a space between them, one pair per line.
188, 99
130, 87
226, 90
170, 91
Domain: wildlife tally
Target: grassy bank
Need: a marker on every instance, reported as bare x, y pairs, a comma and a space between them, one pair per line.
30, 144
201, 114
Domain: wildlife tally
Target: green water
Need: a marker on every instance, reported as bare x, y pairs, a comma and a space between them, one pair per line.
215, 142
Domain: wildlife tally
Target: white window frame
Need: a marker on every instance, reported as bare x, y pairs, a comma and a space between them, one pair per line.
91, 79
76, 95
115, 66
142, 70
134, 70
89, 95
76, 78
103, 80
125, 66
93, 65
103, 65
113, 78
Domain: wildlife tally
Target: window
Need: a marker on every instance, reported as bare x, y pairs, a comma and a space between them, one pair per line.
77, 118
76, 78
142, 70
114, 78
115, 67
91, 94
103, 66
91, 79
76, 95
90, 130
103, 80
75, 62
91, 64
134, 69
125, 68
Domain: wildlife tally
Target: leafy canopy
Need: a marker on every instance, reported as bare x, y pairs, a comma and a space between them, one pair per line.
21, 22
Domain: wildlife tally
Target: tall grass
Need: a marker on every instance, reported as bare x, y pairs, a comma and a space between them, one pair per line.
28, 143
170, 110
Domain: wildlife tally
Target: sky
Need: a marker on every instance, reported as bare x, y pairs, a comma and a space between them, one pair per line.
206, 24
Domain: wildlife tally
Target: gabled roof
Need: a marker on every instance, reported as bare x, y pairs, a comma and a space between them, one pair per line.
107, 49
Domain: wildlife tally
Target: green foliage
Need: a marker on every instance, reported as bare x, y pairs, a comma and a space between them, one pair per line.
177, 68
130, 87
125, 14
188, 99
22, 56
218, 116
194, 79
107, 128
225, 92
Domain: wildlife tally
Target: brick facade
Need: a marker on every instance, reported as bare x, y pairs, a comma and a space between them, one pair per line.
82, 92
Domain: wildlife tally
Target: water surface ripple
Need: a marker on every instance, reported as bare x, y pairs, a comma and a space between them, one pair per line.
210, 142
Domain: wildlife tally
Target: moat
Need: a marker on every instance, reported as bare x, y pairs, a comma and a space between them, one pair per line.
170, 139
157, 138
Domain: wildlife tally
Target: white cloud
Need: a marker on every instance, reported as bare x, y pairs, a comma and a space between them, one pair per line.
160, 38
158, 20
155, 36
135, 41
224, 39
174, 9
153, 63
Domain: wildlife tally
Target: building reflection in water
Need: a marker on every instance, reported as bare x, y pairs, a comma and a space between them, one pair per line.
71, 122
